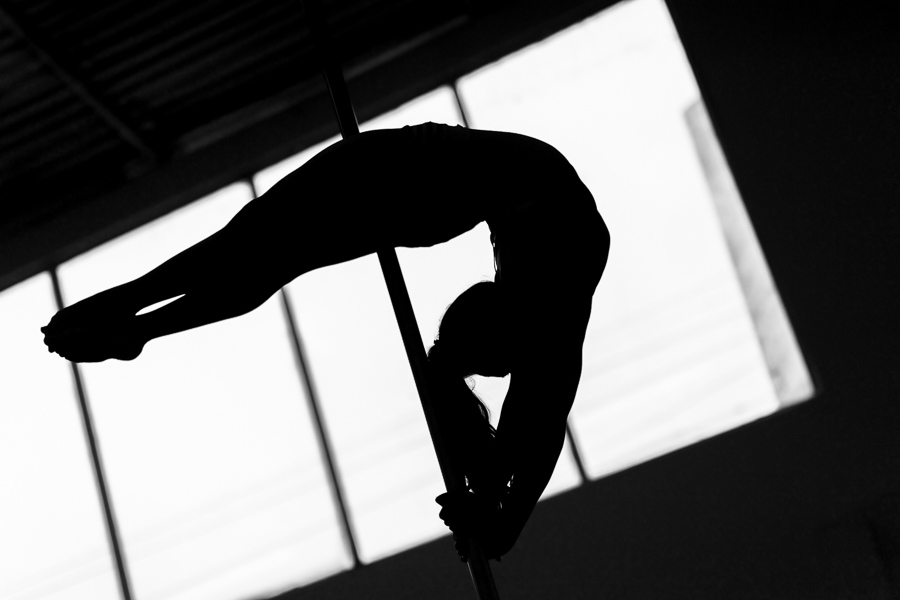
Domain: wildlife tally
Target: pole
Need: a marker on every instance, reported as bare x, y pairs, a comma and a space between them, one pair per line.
479, 568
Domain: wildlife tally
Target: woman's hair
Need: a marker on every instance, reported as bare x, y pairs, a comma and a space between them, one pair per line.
463, 417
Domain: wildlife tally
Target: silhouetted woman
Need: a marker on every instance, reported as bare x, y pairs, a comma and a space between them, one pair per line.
411, 187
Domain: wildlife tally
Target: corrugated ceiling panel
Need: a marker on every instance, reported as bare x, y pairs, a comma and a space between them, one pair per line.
112, 88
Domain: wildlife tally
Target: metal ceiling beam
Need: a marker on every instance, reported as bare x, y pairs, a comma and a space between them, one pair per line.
67, 72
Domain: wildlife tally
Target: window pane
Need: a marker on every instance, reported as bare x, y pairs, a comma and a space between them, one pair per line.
53, 542
671, 355
790, 375
370, 405
438, 106
213, 464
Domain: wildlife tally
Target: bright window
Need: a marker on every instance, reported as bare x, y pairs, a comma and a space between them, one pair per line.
213, 465
212, 462
672, 355
53, 542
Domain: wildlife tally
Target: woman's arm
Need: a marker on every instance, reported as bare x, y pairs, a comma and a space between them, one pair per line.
530, 438
531, 435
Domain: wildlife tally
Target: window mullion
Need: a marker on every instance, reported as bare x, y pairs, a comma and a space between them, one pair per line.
97, 463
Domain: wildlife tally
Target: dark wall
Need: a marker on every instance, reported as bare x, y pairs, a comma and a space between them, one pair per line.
806, 503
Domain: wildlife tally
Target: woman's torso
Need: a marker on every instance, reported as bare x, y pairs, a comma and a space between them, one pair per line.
426, 184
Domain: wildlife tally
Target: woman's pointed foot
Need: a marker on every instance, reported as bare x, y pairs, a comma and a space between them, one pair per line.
93, 330
96, 344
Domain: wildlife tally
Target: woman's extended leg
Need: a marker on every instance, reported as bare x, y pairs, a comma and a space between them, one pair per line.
223, 276
295, 227
352, 199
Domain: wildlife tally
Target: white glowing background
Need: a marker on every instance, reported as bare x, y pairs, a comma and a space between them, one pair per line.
208, 446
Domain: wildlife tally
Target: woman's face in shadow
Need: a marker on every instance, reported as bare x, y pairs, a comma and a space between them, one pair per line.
476, 328
489, 351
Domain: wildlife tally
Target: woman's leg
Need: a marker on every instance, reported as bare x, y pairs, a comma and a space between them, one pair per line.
316, 216
216, 279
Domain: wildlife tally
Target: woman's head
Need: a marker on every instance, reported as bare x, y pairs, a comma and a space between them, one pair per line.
474, 332
471, 339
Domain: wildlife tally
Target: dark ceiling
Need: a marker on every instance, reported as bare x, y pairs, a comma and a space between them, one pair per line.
115, 112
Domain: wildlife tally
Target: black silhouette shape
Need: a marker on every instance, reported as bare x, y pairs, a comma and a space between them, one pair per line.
412, 187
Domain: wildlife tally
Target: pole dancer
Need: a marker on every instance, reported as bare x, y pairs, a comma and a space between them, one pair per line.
412, 187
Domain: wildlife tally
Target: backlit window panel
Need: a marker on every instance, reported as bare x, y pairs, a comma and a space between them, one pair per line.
213, 465
53, 540
672, 355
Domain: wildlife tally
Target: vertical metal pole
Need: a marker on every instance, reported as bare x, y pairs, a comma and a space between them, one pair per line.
111, 529
409, 331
